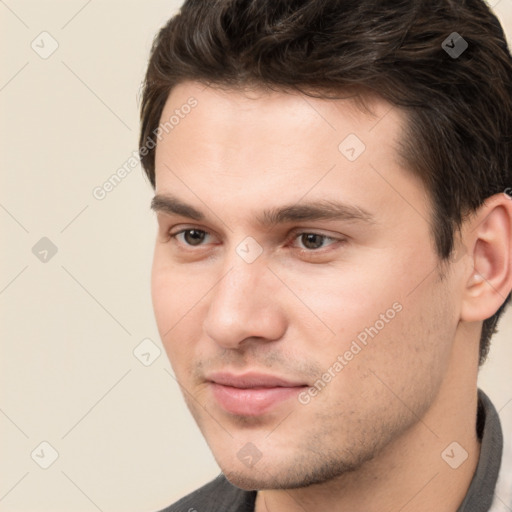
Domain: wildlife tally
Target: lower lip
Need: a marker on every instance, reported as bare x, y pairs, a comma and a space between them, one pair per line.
251, 401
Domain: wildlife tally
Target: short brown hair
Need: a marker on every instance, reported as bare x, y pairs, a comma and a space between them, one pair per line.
459, 131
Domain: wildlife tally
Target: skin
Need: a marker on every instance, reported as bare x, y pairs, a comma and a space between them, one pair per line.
372, 439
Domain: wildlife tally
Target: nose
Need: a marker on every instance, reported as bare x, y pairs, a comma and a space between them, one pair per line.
244, 305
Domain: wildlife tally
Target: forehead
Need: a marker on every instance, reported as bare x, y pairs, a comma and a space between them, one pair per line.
225, 122
363, 109
259, 148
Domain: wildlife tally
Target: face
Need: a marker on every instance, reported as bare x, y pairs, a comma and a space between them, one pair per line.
295, 282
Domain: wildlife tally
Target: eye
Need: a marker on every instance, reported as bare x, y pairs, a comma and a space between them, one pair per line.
308, 242
313, 241
191, 236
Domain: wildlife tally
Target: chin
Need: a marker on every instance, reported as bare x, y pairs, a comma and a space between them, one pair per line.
293, 476
250, 481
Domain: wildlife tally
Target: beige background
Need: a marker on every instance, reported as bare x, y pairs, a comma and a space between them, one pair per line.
69, 326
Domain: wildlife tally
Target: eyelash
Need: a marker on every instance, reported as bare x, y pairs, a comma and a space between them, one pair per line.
295, 235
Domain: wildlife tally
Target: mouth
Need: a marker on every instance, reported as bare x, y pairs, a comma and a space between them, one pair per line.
252, 394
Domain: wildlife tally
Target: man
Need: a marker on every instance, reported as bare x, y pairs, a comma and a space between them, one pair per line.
334, 246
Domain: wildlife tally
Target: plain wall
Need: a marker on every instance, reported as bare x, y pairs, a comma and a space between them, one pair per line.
69, 325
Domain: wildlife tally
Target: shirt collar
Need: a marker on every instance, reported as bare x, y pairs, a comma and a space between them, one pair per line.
488, 427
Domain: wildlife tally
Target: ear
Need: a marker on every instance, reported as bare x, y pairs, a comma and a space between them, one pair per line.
488, 242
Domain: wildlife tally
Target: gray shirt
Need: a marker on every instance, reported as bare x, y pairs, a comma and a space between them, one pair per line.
221, 496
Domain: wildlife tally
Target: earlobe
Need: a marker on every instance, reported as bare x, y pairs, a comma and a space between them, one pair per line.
488, 238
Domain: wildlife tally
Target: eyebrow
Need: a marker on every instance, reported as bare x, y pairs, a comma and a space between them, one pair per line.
310, 211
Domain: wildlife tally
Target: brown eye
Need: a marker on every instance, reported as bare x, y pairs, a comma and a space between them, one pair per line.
312, 240
193, 236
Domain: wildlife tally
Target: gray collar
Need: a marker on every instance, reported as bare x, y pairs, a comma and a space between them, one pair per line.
481, 490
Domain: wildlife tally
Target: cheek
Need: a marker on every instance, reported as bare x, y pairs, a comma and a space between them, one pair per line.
409, 357
177, 308
172, 290
355, 303
162, 297
385, 328
169, 305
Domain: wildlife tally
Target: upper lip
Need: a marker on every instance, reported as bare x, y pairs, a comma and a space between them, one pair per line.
252, 380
